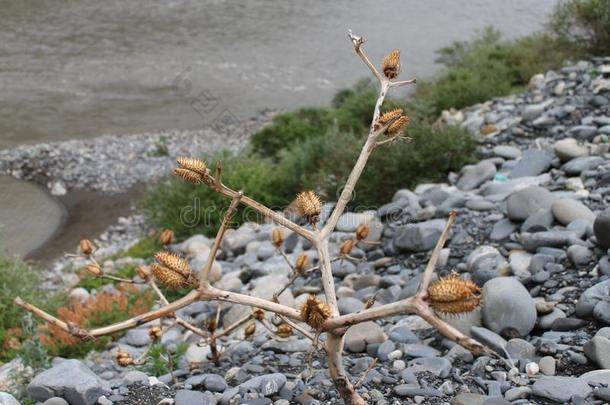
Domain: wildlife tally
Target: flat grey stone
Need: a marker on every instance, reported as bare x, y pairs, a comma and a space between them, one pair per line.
70, 379
560, 389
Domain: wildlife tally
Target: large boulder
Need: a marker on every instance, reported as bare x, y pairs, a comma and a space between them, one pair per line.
70, 379
523, 203
567, 210
508, 309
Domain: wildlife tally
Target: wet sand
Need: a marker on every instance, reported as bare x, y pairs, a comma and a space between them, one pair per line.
88, 214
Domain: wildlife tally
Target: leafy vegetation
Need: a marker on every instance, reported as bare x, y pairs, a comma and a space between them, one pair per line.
161, 360
583, 23
16, 279
100, 310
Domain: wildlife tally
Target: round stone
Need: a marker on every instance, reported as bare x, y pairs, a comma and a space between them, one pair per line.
508, 308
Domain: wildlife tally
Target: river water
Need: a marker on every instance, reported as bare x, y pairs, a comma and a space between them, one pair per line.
78, 69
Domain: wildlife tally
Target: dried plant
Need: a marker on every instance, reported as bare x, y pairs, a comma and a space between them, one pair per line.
449, 295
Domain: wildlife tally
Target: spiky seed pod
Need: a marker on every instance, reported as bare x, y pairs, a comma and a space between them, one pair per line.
362, 231
174, 262
86, 247
124, 359
167, 237
277, 237
172, 278
250, 329
314, 312
258, 314
143, 272
347, 246
391, 64
309, 206
398, 126
155, 333
454, 295
301, 263
284, 330
189, 175
94, 269
192, 164
389, 116
211, 325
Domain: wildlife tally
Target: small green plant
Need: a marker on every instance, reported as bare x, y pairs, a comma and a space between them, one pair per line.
160, 360
16, 278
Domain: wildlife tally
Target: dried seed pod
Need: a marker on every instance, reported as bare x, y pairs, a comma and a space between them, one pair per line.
398, 126
250, 329
94, 269
362, 232
301, 263
277, 237
284, 330
166, 237
86, 247
314, 312
347, 246
155, 333
389, 116
454, 295
258, 314
174, 262
309, 206
189, 175
124, 359
192, 164
143, 272
391, 64
172, 278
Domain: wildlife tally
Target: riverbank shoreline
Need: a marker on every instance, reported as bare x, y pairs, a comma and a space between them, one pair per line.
96, 181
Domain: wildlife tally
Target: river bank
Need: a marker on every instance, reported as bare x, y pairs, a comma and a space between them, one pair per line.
94, 181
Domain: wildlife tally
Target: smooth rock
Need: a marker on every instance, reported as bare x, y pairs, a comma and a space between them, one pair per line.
8, 399
532, 163
601, 228
475, 175
508, 308
358, 336
525, 202
419, 237
567, 210
576, 166
560, 389
70, 379
567, 149
598, 350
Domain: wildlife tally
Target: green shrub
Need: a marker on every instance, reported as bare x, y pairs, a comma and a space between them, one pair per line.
584, 23
290, 127
323, 164
16, 279
189, 209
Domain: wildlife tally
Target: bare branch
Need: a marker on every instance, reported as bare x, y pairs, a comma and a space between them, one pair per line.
205, 271
357, 42
427, 277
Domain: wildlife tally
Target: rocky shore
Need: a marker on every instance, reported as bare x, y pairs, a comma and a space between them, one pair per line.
115, 163
533, 230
